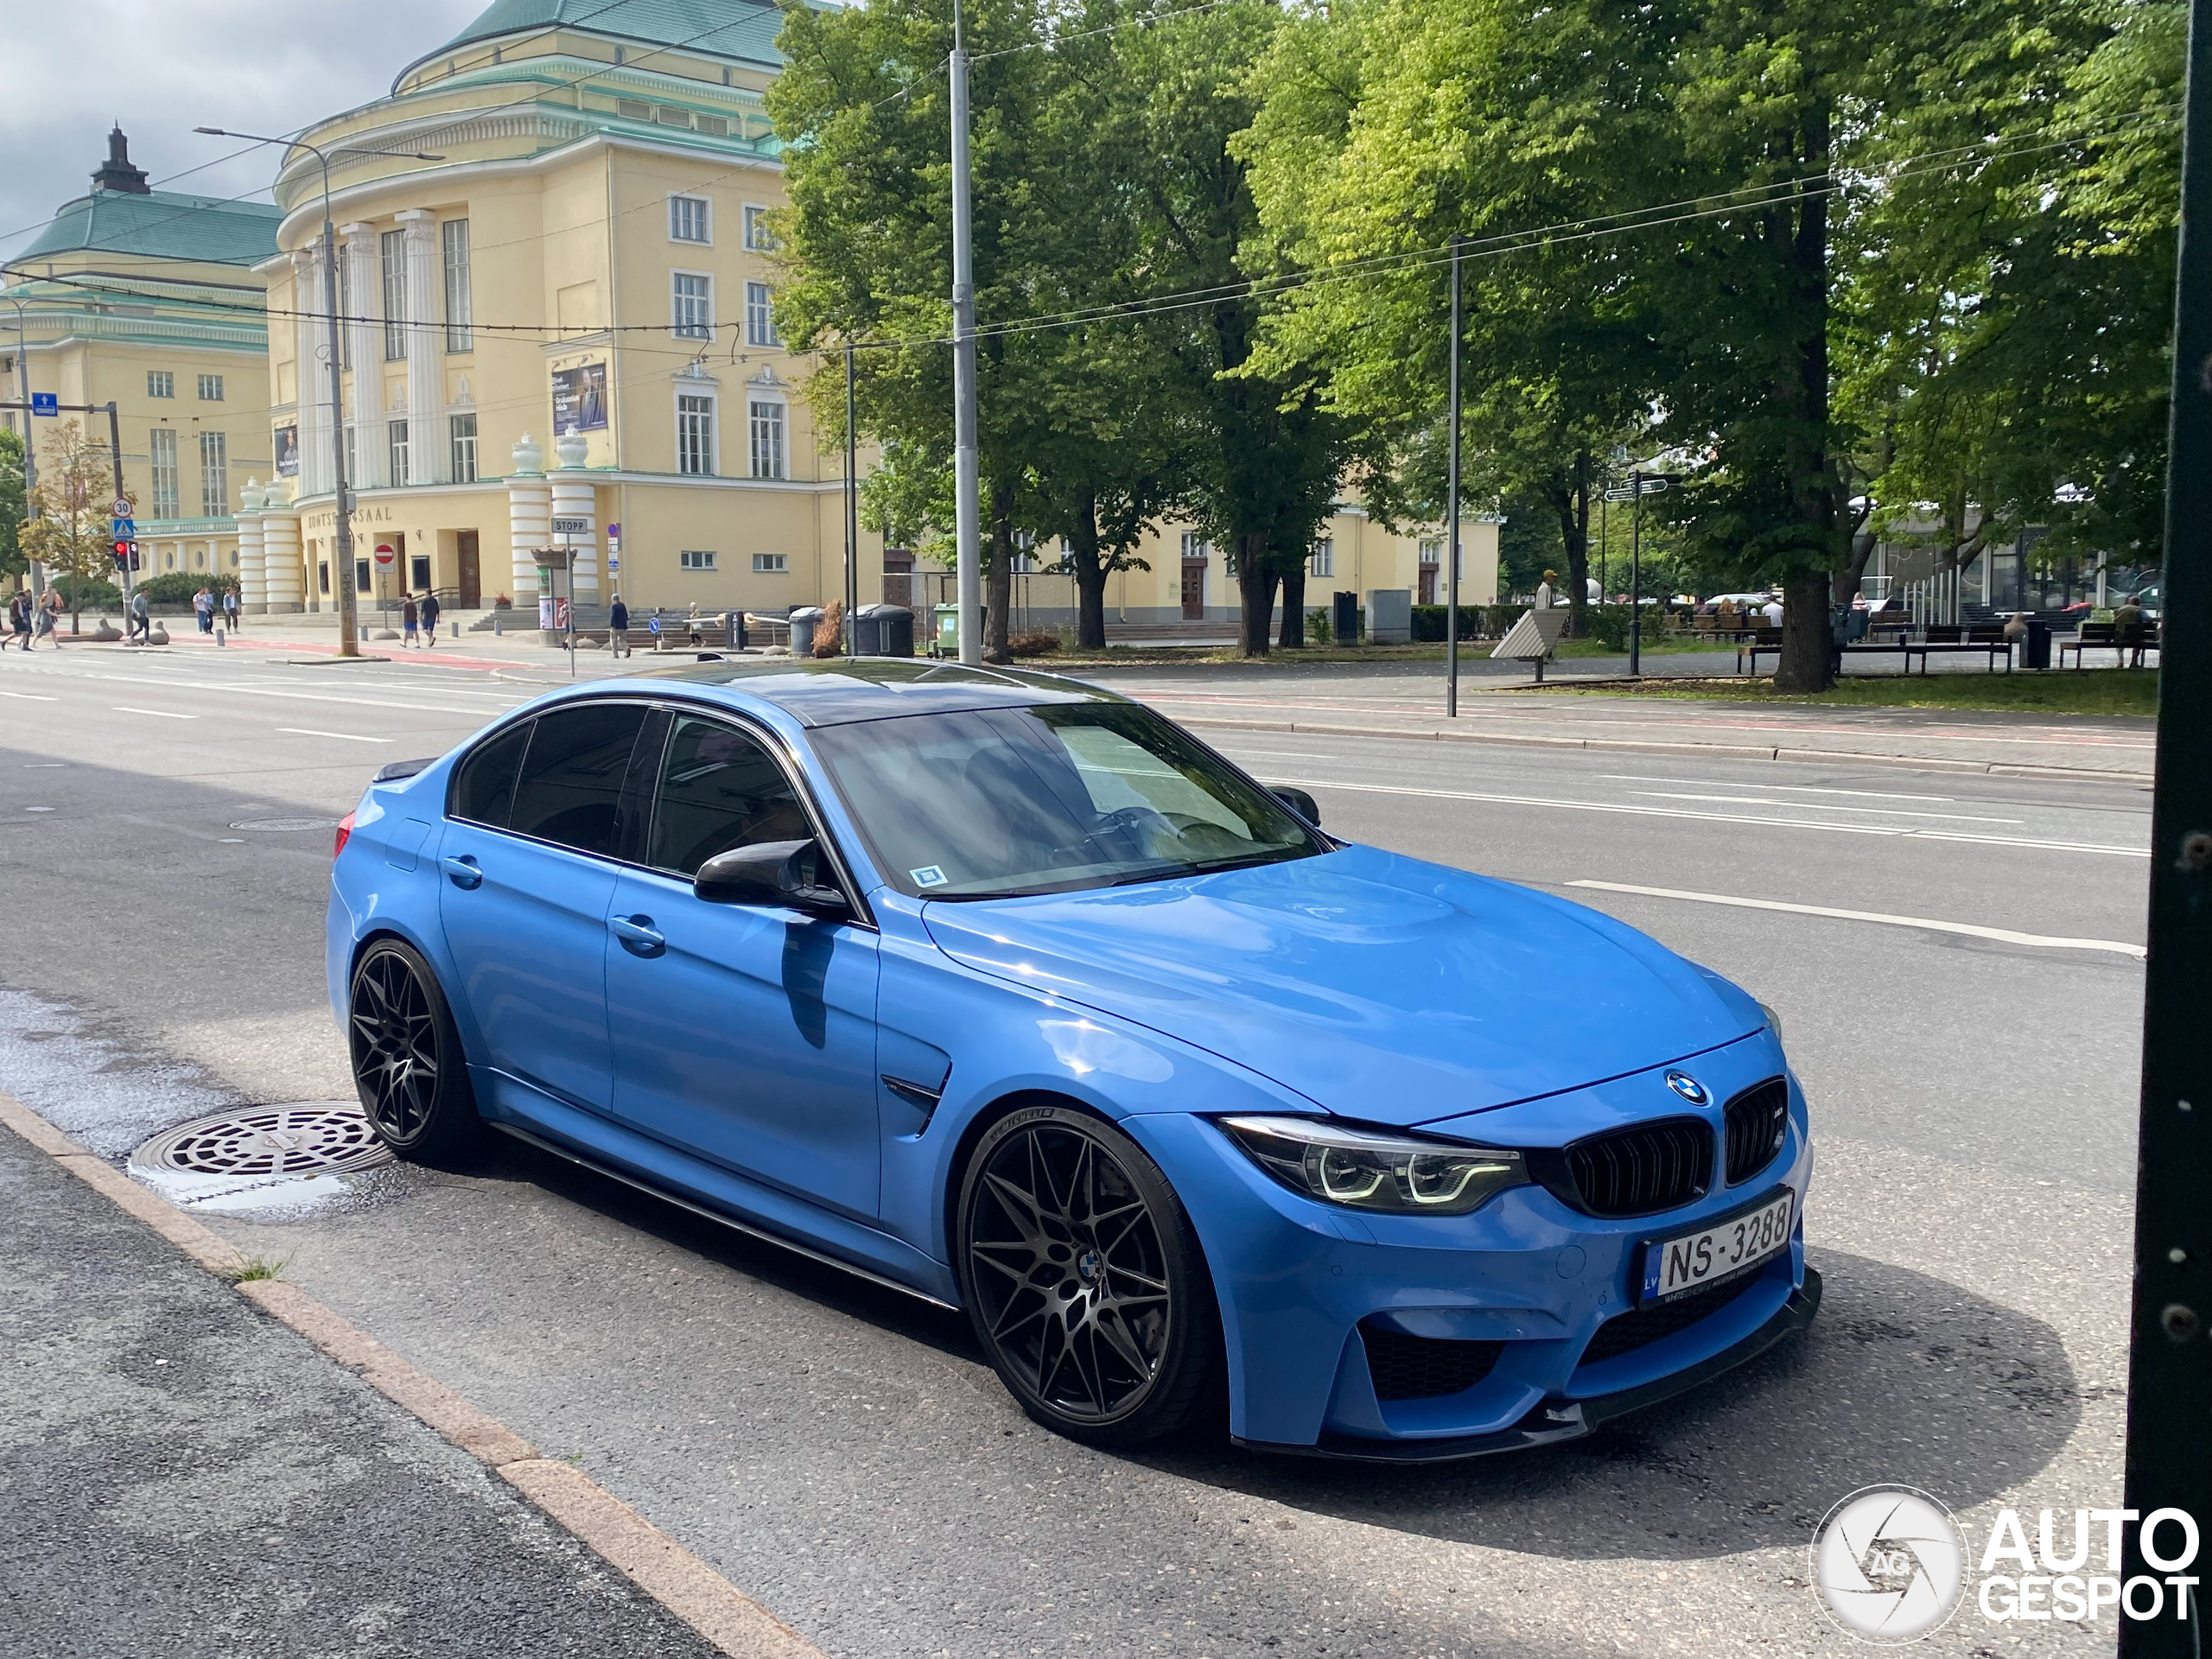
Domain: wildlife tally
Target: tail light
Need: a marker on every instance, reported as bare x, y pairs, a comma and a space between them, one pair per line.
345, 834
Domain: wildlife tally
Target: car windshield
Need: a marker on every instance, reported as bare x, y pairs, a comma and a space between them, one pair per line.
1003, 802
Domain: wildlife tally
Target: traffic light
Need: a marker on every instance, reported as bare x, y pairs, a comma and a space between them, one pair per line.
126, 553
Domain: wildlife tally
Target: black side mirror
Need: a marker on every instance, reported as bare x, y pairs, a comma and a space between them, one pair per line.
1299, 802
778, 873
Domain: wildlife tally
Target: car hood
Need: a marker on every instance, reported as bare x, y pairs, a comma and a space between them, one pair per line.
1381, 988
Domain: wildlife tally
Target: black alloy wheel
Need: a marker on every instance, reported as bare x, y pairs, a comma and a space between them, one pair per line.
407, 1061
1084, 1280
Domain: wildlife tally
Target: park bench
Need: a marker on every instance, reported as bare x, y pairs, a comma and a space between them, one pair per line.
2107, 636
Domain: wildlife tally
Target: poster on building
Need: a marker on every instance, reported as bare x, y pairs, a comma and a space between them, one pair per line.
579, 399
288, 452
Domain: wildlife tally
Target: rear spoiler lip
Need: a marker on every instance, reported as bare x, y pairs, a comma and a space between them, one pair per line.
399, 769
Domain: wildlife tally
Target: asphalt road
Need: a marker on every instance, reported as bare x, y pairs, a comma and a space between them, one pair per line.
844, 1456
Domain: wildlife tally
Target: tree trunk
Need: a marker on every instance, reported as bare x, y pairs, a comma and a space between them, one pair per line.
1292, 636
1575, 525
1853, 572
1089, 576
1808, 662
999, 578
1255, 587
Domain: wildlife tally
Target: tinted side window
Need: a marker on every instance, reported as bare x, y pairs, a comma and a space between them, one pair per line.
571, 785
718, 789
485, 790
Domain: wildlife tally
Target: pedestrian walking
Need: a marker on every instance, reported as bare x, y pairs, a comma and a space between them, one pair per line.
203, 610
691, 622
411, 620
429, 609
231, 609
19, 619
50, 614
1545, 591
141, 631
618, 628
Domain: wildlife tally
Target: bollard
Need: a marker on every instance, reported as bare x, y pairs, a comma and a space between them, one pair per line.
497, 630
455, 626
219, 637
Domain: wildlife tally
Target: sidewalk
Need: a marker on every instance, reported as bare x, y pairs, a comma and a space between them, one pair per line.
181, 1475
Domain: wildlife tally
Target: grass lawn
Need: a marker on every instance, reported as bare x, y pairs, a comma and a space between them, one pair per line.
2054, 691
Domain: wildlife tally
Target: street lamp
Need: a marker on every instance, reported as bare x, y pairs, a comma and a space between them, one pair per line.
30, 456
342, 552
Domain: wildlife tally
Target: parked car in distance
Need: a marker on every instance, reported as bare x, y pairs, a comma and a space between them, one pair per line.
1004, 991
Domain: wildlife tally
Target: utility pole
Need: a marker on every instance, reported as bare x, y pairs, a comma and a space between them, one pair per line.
852, 516
1451, 511
1636, 581
30, 450
115, 460
965, 464
2168, 1458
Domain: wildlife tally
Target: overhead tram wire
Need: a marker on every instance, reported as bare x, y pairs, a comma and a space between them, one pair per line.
1745, 198
1144, 22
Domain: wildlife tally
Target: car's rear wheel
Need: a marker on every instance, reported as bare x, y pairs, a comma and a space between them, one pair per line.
407, 1068
1086, 1281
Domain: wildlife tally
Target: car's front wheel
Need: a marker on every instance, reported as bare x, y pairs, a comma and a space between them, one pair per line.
1085, 1279
407, 1062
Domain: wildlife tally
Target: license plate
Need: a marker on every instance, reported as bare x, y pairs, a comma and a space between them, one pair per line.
1674, 1266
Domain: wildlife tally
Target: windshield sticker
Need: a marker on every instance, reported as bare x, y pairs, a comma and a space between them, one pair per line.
928, 876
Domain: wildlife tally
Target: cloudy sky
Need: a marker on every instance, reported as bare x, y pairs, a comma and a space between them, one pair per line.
162, 67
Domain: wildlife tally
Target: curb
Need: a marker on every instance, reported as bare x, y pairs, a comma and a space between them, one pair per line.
649, 1558
1721, 751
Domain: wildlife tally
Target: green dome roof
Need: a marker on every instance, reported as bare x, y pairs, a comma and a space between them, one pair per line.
159, 225
744, 30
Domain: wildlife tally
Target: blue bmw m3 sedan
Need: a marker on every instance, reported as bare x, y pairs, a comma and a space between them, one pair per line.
1005, 991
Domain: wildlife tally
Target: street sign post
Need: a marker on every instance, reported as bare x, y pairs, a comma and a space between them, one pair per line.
572, 526
46, 402
1640, 484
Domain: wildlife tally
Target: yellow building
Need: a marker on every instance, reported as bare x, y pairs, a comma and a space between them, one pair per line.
565, 315
148, 298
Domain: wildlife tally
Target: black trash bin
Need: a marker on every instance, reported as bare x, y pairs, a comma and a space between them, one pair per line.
802, 619
1345, 625
2035, 650
883, 631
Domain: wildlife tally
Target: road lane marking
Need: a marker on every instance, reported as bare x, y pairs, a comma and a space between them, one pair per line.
158, 714
1961, 835
349, 737
2002, 935
1795, 789
1820, 806
28, 696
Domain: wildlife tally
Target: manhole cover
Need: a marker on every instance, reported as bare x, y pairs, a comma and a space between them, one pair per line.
268, 1140
277, 825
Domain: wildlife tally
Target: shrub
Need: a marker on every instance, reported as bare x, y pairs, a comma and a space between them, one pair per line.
87, 592
1428, 621
177, 587
1609, 625
1499, 617
1033, 644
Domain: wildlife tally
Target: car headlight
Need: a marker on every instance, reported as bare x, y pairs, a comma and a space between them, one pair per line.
1773, 1021
1364, 1169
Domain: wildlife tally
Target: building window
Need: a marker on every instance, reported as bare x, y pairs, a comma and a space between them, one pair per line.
712, 125
418, 572
1323, 561
687, 219
361, 580
463, 430
690, 559
1431, 552
771, 564
210, 388
761, 316
766, 429
165, 479
695, 434
214, 475
691, 306
1195, 549
459, 307
631, 110
159, 383
757, 236
394, 244
395, 452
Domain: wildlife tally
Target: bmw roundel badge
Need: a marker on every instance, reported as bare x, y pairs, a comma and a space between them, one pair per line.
1687, 1087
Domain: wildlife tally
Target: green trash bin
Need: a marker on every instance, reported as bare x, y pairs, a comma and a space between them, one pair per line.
947, 640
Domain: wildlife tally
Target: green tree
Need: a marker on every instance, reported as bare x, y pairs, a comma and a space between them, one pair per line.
73, 503
13, 505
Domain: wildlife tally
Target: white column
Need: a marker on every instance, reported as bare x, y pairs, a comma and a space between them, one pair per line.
283, 577
529, 521
253, 593
314, 377
364, 301
574, 497
427, 457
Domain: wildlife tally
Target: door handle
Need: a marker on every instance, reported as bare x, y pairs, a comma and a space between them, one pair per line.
637, 935
462, 871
